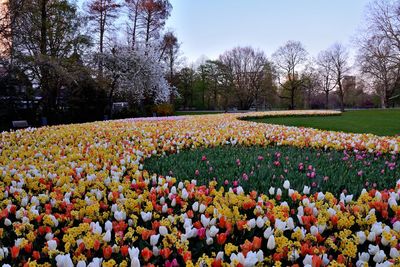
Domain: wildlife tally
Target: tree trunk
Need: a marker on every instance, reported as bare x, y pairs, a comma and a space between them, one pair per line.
134, 27
44, 71
326, 99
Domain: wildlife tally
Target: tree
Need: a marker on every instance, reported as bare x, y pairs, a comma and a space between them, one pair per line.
246, 67
136, 74
288, 59
379, 48
133, 8
152, 15
383, 21
102, 13
186, 86
46, 36
169, 53
339, 59
327, 83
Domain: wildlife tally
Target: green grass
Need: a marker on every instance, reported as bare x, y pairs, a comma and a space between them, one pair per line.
264, 167
379, 122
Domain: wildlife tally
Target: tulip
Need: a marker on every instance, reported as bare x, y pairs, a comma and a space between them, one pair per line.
124, 251
372, 250
14, 252
286, 184
146, 254
165, 252
163, 230
107, 251
154, 239
221, 238
271, 242
379, 256
260, 222
52, 244
306, 190
268, 232
64, 261
134, 256
361, 237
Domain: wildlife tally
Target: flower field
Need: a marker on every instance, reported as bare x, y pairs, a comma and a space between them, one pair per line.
81, 195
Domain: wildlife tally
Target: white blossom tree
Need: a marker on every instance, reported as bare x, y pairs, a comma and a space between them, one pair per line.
137, 74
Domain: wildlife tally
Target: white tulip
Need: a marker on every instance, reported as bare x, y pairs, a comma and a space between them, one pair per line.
306, 190
271, 242
286, 184
379, 256
64, 261
163, 230
271, 190
213, 231
195, 206
52, 244
107, 236
251, 223
134, 255
202, 208
260, 222
307, 260
361, 237
372, 250
394, 253
268, 232
154, 239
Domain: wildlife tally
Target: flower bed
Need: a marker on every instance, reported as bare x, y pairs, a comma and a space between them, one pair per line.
78, 194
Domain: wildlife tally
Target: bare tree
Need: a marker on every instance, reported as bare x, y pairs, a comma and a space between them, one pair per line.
377, 60
133, 8
102, 13
383, 18
289, 58
246, 66
379, 48
327, 82
152, 15
339, 59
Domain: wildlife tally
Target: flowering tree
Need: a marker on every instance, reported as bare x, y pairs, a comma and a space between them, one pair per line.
137, 74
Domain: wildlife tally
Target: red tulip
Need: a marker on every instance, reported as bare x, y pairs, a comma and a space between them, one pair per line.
36, 255
107, 251
124, 251
165, 252
28, 248
146, 254
96, 245
14, 252
221, 238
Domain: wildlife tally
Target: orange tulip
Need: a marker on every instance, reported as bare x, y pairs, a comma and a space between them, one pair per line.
246, 247
146, 254
257, 243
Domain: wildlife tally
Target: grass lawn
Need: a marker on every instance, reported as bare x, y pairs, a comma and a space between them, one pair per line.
379, 122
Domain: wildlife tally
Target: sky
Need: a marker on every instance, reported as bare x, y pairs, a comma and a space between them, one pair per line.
210, 27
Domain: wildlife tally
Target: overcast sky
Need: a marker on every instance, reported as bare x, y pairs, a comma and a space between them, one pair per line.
210, 27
